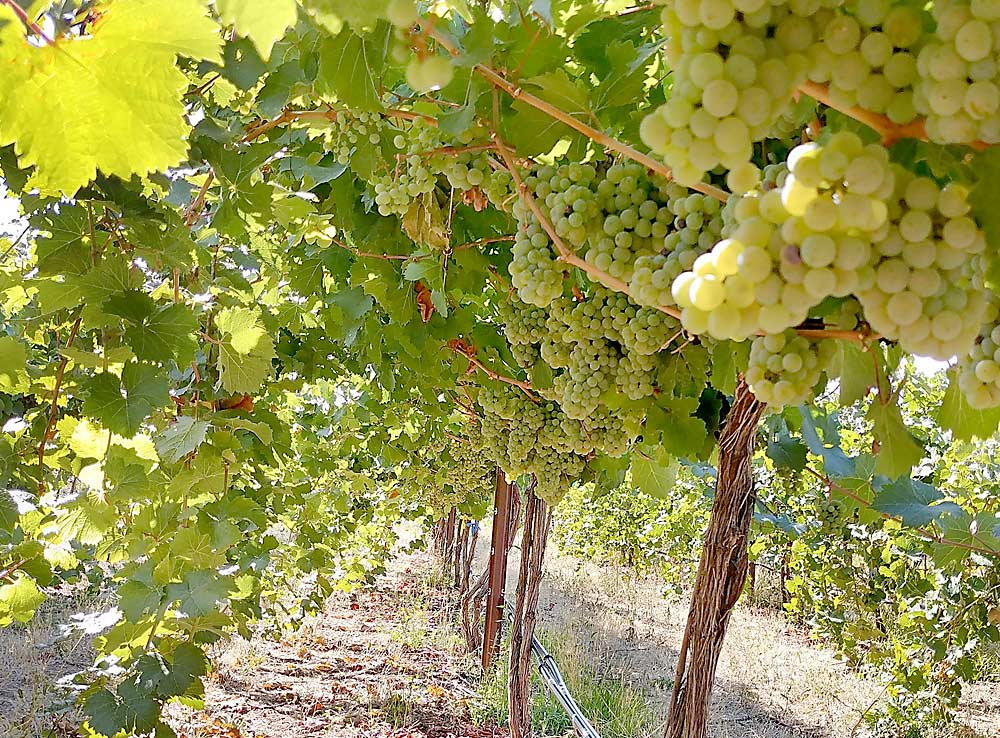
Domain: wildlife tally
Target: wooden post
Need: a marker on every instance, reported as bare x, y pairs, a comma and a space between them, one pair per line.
497, 569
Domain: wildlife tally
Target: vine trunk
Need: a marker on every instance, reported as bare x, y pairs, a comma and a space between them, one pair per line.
537, 520
722, 570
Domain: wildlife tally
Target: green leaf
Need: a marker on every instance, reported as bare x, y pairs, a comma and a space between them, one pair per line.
350, 66
729, 358
787, 452
19, 600
122, 404
136, 599
85, 92
186, 664
201, 592
655, 477
13, 365
835, 461
910, 501
245, 353
132, 710
262, 21
180, 439
856, 370
156, 334
965, 422
533, 132
899, 450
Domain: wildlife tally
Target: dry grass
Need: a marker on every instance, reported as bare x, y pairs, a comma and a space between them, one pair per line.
773, 680
37, 659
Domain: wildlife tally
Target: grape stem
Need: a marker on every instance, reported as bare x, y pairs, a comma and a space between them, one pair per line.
22, 16
290, 116
54, 407
525, 387
889, 131
926, 535
197, 205
498, 80
370, 255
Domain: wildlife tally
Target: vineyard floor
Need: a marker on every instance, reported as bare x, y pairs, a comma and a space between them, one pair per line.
773, 681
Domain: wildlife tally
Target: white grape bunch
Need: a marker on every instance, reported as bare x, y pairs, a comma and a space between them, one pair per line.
785, 367
979, 370
790, 247
736, 65
928, 292
868, 57
957, 88
696, 227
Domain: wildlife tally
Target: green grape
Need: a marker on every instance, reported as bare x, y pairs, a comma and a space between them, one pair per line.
785, 367
927, 290
429, 73
956, 88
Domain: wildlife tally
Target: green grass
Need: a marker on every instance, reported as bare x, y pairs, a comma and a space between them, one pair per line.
615, 708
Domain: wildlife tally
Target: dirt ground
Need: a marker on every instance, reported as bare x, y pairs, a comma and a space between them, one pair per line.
773, 680
382, 663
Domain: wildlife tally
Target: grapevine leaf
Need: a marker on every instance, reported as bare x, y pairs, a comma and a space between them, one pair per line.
984, 198
155, 334
654, 477
533, 132
727, 359
130, 709
19, 600
960, 530
186, 664
201, 592
13, 362
911, 501
350, 65
261, 22
246, 350
90, 94
835, 461
136, 598
787, 452
675, 424
857, 372
180, 439
122, 404
900, 450
963, 421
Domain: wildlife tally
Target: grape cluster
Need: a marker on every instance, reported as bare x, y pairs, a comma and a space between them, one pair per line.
594, 346
524, 437
735, 65
957, 83
928, 291
634, 227
868, 57
412, 175
784, 368
792, 246
469, 473
979, 371
349, 130
696, 227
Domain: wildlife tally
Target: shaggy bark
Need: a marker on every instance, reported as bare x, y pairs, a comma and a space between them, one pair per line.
537, 520
722, 570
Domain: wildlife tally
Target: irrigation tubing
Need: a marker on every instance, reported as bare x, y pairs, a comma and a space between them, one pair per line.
554, 682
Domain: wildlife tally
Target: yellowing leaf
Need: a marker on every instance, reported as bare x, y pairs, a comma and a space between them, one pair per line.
108, 101
262, 21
